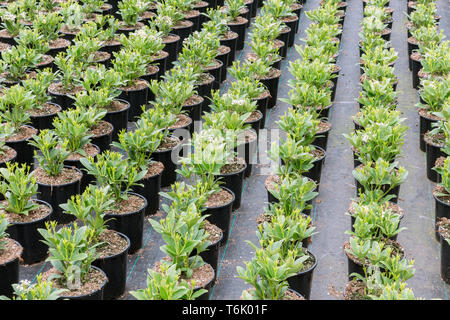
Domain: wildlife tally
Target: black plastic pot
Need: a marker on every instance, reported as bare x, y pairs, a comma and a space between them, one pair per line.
293, 25
216, 72
137, 98
25, 151
172, 49
119, 119
411, 47
247, 150
44, 121
316, 171
416, 66
253, 7
256, 124
442, 210
196, 21
3, 165
9, 274
262, 107
239, 28
54, 51
130, 224
207, 286
221, 216
115, 268
302, 281
95, 295
395, 191
433, 152
204, 90
59, 194
34, 250
63, 100
234, 181
111, 48
425, 125
322, 139
87, 178
445, 260
161, 62
232, 44
149, 77
103, 142
224, 59
169, 176
183, 32
354, 267
150, 191
195, 110
272, 85
211, 255
284, 36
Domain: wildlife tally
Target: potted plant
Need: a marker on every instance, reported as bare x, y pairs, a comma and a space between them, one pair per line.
73, 18
73, 132
127, 215
268, 272
444, 230
164, 24
110, 246
71, 257
56, 182
130, 12
108, 27
435, 141
37, 43
10, 252
177, 230
11, 23
43, 111
179, 25
17, 63
236, 23
41, 290
25, 215
7, 154
139, 145
167, 285
131, 66
63, 91
15, 104
441, 194
48, 25
281, 10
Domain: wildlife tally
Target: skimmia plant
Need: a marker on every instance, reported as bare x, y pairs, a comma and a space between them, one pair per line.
41, 290
38, 86
15, 104
52, 153
18, 186
434, 93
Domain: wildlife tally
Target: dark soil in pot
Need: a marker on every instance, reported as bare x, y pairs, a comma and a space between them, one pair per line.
433, 150
270, 81
117, 115
43, 118
58, 190
302, 281
19, 142
8, 155
91, 289
128, 219
73, 161
232, 176
151, 187
219, 209
137, 95
57, 46
126, 30
111, 47
239, 26
167, 153
113, 261
9, 266
23, 229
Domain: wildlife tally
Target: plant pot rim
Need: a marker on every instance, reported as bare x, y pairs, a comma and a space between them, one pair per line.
135, 90
311, 268
439, 200
37, 220
128, 105
235, 35
172, 35
425, 117
195, 104
183, 127
150, 74
25, 139
119, 253
13, 158
210, 281
171, 149
105, 277
213, 244
47, 115
16, 257
327, 130
234, 173
190, 24
260, 117
107, 133
130, 213
226, 204
321, 149
64, 184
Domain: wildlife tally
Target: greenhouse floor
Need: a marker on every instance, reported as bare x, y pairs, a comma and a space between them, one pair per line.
337, 186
